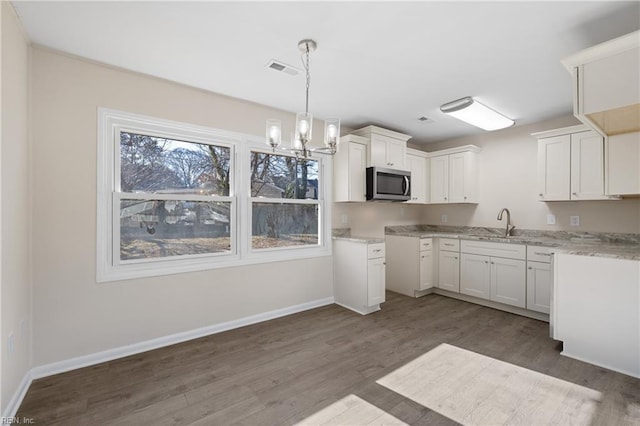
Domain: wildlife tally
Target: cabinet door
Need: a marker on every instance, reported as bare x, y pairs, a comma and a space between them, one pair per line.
378, 151
475, 275
508, 281
623, 161
458, 180
554, 160
375, 281
396, 151
439, 179
538, 286
449, 271
426, 270
417, 165
357, 168
587, 166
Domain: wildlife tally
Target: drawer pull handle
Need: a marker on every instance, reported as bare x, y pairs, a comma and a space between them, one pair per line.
449, 245
377, 250
530, 267
538, 253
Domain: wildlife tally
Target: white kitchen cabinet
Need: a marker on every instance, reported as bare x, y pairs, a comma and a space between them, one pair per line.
538, 286
387, 148
453, 175
554, 172
595, 310
439, 179
587, 166
606, 85
475, 275
359, 275
571, 165
508, 281
349, 166
410, 264
426, 270
623, 164
418, 164
449, 264
494, 271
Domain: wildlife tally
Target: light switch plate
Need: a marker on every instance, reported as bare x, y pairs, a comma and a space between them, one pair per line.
551, 219
344, 219
574, 220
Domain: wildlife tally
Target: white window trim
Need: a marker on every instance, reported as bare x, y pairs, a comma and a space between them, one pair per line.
110, 121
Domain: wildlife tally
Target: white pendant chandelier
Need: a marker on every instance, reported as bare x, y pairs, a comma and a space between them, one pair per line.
304, 120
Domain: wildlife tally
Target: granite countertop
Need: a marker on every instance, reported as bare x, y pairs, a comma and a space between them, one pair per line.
360, 239
620, 246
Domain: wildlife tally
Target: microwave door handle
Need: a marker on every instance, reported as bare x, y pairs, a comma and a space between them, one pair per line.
407, 185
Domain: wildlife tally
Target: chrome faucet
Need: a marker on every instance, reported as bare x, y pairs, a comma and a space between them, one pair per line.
510, 227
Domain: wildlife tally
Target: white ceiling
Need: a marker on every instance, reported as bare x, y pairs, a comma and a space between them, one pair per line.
382, 63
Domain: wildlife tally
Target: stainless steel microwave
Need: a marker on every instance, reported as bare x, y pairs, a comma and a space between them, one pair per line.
388, 184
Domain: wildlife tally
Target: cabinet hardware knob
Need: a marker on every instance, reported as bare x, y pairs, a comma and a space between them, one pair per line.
384, 263
486, 261
574, 193
455, 258
465, 197
540, 195
445, 198
530, 267
493, 263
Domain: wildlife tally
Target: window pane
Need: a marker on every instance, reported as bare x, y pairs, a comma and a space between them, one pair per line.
158, 228
280, 176
158, 165
282, 225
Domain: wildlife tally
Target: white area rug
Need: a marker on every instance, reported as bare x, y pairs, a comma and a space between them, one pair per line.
351, 410
474, 389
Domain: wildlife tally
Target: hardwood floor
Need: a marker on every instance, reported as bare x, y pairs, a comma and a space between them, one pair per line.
283, 371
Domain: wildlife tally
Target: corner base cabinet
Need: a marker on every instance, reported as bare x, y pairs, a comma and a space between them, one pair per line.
359, 275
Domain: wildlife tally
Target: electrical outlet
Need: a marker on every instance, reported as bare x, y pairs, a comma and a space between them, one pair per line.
574, 220
344, 219
551, 219
444, 218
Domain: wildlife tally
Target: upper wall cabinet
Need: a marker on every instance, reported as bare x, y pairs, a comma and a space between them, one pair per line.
571, 165
386, 148
349, 165
607, 85
418, 164
453, 175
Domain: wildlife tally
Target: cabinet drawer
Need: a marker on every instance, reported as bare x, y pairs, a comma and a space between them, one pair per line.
375, 251
426, 244
448, 244
539, 254
506, 250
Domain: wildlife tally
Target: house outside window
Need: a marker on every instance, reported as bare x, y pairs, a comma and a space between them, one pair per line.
174, 197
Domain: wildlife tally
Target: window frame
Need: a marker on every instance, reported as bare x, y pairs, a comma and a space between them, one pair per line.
265, 252
109, 266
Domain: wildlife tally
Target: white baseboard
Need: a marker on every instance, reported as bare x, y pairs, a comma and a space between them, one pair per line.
18, 396
136, 348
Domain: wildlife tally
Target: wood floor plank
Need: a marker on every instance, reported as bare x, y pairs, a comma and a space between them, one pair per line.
283, 371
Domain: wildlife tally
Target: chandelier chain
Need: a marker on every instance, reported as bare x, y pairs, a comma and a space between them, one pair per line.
305, 63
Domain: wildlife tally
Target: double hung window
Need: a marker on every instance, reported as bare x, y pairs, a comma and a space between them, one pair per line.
174, 197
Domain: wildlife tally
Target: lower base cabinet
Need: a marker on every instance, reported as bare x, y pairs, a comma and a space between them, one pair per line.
449, 264
410, 267
359, 275
485, 274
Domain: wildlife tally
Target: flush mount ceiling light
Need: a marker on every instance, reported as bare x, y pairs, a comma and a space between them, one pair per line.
473, 112
304, 120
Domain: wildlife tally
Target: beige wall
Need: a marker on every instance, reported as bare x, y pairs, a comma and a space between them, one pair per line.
15, 285
74, 315
507, 178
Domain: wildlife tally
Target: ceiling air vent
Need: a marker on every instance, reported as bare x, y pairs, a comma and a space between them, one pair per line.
282, 67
